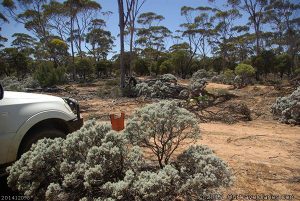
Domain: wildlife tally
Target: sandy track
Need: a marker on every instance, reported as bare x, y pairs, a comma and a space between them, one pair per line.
264, 155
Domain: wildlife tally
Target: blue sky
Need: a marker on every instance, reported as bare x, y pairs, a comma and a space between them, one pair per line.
170, 9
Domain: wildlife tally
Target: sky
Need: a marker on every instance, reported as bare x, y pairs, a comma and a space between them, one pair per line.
170, 9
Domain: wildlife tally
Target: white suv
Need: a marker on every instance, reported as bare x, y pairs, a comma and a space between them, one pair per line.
26, 117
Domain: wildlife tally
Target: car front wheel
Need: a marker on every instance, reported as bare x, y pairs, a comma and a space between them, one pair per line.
38, 135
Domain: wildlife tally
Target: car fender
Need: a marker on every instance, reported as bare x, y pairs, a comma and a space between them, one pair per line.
16, 140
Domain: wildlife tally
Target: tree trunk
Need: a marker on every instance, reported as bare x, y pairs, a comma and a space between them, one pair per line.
72, 48
122, 27
131, 48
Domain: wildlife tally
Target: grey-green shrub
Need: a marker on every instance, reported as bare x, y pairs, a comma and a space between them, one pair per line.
201, 173
169, 78
13, 84
202, 74
287, 109
163, 88
96, 163
197, 87
226, 78
72, 167
162, 127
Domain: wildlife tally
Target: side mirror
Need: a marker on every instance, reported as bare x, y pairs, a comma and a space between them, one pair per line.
1, 92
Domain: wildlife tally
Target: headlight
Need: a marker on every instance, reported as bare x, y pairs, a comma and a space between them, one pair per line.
73, 104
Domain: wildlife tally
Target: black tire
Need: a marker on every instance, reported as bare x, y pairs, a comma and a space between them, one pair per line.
37, 135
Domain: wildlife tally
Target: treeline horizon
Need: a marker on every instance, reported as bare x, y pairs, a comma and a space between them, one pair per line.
72, 37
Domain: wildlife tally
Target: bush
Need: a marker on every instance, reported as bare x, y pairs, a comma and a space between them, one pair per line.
166, 67
30, 82
169, 78
109, 92
201, 173
13, 84
162, 127
96, 163
197, 87
164, 87
201, 74
287, 109
245, 72
85, 68
228, 76
218, 78
48, 76
141, 66
71, 168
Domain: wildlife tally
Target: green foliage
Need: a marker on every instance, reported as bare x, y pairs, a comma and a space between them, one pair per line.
101, 42
162, 127
48, 76
104, 68
181, 62
141, 66
245, 72
218, 64
85, 68
166, 67
202, 74
264, 62
226, 78
284, 64
229, 74
58, 50
16, 61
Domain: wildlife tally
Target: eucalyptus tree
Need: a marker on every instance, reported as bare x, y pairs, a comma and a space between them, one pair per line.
24, 42
58, 51
17, 62
256, 11
133, 13
282, 15
197, 28
243, 46
70, 21
224, 31
152, 36
101, 40
31, 14
2, 38
180, 59
123, 20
